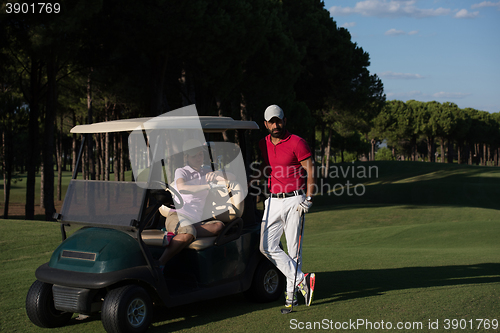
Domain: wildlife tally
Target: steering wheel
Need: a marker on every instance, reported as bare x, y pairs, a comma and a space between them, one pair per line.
172, 200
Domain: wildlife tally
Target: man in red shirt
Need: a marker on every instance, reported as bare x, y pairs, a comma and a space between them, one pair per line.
287, 160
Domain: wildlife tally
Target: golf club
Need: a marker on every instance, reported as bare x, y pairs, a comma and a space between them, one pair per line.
285, 310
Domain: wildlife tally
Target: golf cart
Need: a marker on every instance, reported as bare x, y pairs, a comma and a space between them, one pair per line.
110, 263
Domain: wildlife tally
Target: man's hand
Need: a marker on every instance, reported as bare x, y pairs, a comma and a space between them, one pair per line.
304, 206
217, 187
211, 177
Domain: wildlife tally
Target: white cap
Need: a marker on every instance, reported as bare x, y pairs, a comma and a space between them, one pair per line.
273, 111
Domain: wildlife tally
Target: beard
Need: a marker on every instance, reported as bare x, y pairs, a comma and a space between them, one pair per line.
277, 133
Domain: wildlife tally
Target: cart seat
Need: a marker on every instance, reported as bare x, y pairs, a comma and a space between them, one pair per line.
230, 232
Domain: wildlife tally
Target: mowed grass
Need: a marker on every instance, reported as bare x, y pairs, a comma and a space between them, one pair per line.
420, 246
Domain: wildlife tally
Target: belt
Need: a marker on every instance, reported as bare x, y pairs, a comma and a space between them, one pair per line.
287, 195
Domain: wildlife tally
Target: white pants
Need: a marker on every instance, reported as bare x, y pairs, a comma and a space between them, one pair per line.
281, 215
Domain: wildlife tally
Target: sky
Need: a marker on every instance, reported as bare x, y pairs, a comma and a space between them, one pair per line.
429, 50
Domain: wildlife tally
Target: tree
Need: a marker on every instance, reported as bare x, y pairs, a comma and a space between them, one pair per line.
13, 123
460, 131
445, 127
397, 123
22, 51
384, 154
424, 124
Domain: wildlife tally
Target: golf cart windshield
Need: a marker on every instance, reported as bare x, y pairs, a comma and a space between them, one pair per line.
102, 203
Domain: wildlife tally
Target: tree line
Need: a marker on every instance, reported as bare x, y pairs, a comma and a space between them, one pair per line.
102, 60
433, 131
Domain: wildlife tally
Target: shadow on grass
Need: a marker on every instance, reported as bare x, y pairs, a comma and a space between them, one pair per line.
345, 285
202, 313
195, 314
423, 184
331, 287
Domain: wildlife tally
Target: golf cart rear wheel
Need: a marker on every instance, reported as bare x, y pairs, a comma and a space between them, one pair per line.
40, 307
128, 309
268, 283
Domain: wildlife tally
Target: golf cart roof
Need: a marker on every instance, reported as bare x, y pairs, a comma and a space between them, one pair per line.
208, 124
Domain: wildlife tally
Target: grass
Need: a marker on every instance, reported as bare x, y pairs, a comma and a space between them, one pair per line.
419, 247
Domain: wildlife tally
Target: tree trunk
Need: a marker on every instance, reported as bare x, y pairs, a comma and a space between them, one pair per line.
495, 156
478, 155
323, 149
42, 186
122, 159
115, 158
98, 156
118, 154
488, 153
430, 149
450, 151
372, 152
103, 156
66, 153
59, 153
7, 173
322, 140
443, 160
90, 141
414, 149
459, 152
32, 158
73, 146
116, 173
468, 153
48, 146
106, 155
485, 155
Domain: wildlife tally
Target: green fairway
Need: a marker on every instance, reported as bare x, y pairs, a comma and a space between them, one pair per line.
418, 250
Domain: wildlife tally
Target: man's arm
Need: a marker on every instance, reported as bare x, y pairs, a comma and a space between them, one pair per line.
219, 175
190, 189
308, 165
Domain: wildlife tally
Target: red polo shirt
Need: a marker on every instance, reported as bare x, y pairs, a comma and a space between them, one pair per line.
286, 174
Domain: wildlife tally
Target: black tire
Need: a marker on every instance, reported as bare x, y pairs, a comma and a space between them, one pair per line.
40, 307
127, 309
268, 283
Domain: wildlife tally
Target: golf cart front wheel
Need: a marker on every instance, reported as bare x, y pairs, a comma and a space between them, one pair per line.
128, 309
268, 283
40, 307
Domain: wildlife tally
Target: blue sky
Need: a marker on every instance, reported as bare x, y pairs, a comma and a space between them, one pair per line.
442, 50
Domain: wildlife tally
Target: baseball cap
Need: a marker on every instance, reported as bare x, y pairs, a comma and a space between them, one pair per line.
192, 147
273, 111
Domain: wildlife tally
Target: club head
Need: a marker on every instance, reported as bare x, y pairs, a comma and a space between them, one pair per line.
286, 311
